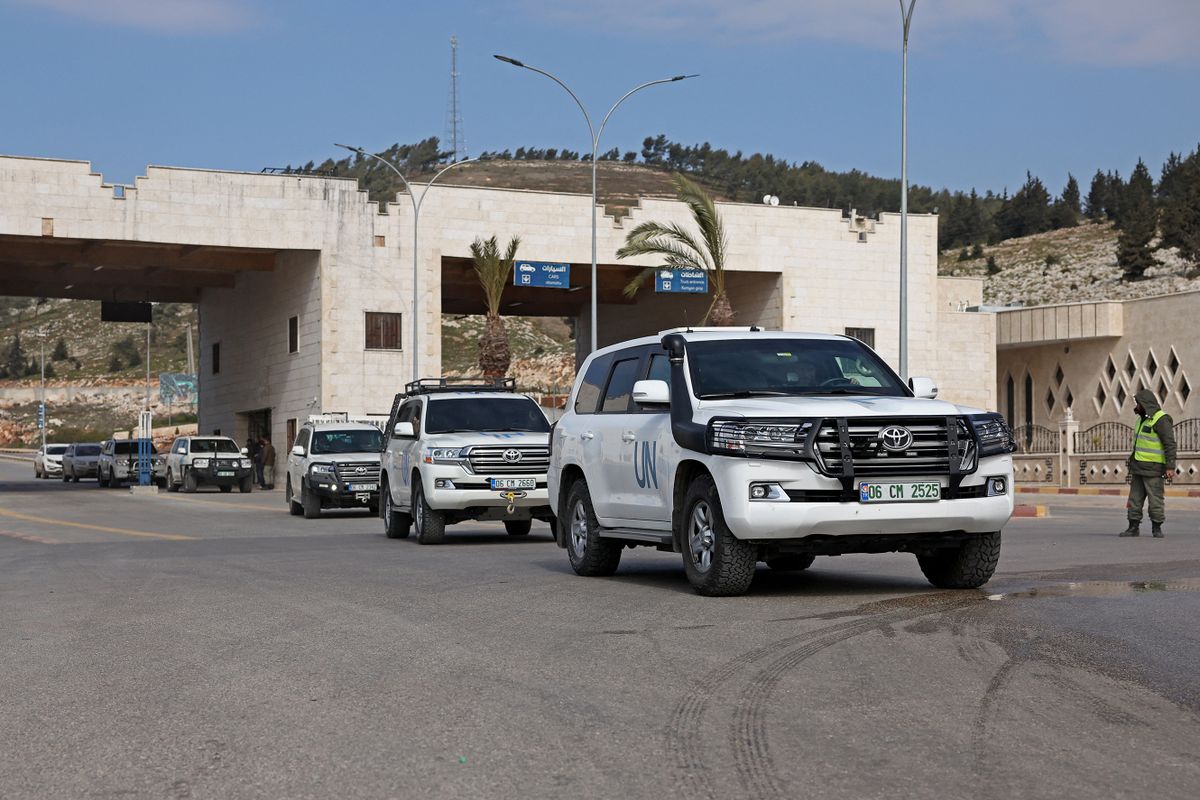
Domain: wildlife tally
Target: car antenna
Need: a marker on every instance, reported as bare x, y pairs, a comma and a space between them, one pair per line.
687, 326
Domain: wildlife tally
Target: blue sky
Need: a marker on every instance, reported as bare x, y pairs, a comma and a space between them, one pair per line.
995, 88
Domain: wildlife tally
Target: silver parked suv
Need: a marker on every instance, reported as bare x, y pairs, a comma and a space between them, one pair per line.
213, 460
80, 461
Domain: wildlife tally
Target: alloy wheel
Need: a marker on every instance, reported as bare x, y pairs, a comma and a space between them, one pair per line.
701, 539
579, 529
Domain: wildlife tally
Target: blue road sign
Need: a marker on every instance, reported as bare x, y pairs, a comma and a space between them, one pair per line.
543, 274
684, 281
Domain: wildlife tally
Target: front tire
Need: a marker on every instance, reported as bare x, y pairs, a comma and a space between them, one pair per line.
172, 486
430, 524
310, 502
590, 555
717, 563
246, 486
518, 527
190, 484
294, 508
101, 481
968, 566
396, 524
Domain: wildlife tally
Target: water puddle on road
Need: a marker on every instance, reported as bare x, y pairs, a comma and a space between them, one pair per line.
1101, 589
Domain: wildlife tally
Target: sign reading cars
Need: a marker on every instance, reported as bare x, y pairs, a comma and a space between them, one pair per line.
543, 274
685, 281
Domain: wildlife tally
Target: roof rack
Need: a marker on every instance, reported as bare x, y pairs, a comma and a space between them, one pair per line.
434, 385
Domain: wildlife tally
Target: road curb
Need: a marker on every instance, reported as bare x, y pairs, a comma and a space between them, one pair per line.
1093, 491
1026, 510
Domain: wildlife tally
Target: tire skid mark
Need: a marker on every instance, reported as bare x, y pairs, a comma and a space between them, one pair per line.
683, 729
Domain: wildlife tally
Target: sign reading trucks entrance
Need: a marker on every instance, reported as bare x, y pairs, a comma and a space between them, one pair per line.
687, 281
544, 274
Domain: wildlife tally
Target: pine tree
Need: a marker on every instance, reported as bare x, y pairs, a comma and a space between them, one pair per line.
1179, 193
114, 364
992, 267
1070, 195
1097, 197
1114, 196
14, 358
50, 371
60, 351
1139, 221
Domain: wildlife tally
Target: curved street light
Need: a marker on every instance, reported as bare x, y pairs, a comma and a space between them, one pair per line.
906, 18
416, 201
594, 135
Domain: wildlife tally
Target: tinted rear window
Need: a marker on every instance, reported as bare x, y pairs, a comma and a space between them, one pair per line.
620, 386
588, 396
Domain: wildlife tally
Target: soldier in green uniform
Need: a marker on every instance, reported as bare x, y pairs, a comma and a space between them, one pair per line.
1151, 463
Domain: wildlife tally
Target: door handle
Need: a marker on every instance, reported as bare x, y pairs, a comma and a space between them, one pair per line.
628, 436
587, 436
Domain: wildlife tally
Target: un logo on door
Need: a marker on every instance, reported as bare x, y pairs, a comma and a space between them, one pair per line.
645, 464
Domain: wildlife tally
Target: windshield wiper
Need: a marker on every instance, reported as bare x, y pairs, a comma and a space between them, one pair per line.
842, 390
743, 393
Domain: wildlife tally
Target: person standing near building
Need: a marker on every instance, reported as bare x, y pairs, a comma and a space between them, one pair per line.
254, 450
268, 463
1151, 464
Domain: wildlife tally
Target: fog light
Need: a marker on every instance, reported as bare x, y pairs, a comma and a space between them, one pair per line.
997, 486
768, 492
443, 483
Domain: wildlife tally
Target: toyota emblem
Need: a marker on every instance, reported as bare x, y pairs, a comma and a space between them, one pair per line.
360, 470
896, 439
512, 456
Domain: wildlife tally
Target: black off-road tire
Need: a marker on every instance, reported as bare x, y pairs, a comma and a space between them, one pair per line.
968, 566
294, 508
190, 484
791, 562
247, 485
310, 502
101, 481
730, 570
518, 527
396, 524
430, 524
226, 488
590, 555
172, 486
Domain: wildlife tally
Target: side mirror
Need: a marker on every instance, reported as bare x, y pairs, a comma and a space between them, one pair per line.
298, 451
404, 430
651, 393
245, 451
923, 387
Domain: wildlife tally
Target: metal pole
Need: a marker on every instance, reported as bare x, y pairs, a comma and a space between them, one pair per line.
595, 137
42, 402
416, 202
906, 15
147, 366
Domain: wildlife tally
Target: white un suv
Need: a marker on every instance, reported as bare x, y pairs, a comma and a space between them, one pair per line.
334, 463
456, 452
736, 445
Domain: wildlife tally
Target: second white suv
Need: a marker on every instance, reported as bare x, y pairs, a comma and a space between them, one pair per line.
334, 463
734, 446
459, 452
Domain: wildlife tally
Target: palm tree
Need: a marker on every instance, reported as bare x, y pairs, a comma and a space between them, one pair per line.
494, 273
681, 249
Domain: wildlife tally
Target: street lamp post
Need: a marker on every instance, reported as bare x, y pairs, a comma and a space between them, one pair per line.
906, 17
595, 135
416, 201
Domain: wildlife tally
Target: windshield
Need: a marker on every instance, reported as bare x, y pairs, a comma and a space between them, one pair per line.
87, 449
347, 442
749, 367
214, 446
55, 449
128, 448
485, 414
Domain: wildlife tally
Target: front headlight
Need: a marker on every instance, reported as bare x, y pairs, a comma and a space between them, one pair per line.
325, 469
200, 463
246, 463
767, 438
445, 455
994, 435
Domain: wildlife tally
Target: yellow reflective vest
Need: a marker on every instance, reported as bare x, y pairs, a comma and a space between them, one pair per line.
1146, 445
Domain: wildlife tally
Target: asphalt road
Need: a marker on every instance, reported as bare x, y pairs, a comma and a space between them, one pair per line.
212, 646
